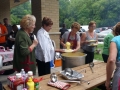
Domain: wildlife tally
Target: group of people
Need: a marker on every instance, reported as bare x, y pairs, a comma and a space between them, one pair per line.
111, 55
28, 51
7, 34
41, 50
111, 50
80, 41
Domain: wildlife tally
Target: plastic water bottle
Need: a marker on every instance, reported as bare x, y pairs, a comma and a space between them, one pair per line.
22, 73
13, 47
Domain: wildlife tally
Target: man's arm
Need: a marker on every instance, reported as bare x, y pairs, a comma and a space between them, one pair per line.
5, 31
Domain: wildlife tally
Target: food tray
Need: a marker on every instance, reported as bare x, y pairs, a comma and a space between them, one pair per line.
74, 76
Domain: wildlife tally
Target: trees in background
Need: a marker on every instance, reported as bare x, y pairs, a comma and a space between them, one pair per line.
18, 12
104, 12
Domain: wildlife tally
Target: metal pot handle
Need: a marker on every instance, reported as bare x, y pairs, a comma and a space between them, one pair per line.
62, 58
85, 55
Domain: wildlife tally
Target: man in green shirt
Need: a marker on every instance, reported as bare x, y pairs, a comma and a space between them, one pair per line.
107, 41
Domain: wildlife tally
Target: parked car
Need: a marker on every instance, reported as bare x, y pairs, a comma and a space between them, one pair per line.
82, 30
104, 33
85, 27
104, 28
97, 30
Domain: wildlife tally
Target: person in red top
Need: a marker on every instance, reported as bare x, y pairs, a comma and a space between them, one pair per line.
3, 33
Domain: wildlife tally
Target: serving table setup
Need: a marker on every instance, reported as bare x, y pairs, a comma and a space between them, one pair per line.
75, 74
95, 78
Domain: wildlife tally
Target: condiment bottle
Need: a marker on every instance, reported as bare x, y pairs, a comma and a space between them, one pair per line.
18, 83
29, 74
36, 82
30, 84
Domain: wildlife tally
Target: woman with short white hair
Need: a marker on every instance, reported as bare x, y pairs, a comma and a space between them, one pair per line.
24, 57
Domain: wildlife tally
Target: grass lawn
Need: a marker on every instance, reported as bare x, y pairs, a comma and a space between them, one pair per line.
99, 56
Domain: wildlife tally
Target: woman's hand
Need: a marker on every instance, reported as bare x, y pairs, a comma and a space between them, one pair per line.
74, 51
87, 42
64, 46
59, 50
107, 84
35, 42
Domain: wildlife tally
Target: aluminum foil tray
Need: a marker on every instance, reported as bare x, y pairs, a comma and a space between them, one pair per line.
74, 76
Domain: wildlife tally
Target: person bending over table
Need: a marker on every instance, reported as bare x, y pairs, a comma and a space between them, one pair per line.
24, 55
72, 37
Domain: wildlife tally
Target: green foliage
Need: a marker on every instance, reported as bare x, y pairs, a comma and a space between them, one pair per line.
104, 12
18, 12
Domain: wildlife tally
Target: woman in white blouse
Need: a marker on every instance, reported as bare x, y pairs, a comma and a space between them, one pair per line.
44, 50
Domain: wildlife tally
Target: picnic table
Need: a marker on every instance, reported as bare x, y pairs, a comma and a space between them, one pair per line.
97, 78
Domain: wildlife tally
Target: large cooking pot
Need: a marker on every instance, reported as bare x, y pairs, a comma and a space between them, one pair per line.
70, 60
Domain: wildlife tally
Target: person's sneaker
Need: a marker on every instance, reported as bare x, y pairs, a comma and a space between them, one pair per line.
1, 72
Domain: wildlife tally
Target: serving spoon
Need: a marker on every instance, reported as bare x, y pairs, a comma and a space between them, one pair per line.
91, 65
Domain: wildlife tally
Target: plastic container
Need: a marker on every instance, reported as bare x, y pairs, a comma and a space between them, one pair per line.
22, 72
18, 83
58, 62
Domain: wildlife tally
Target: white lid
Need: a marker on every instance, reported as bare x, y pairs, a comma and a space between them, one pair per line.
30, 73
22, 69
18, 75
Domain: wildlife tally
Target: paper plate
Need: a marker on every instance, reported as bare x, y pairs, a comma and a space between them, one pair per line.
92, 41
70, 50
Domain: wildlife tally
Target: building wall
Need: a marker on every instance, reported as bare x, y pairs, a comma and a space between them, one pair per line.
36, 11
50, 8
4, 10
47, 8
